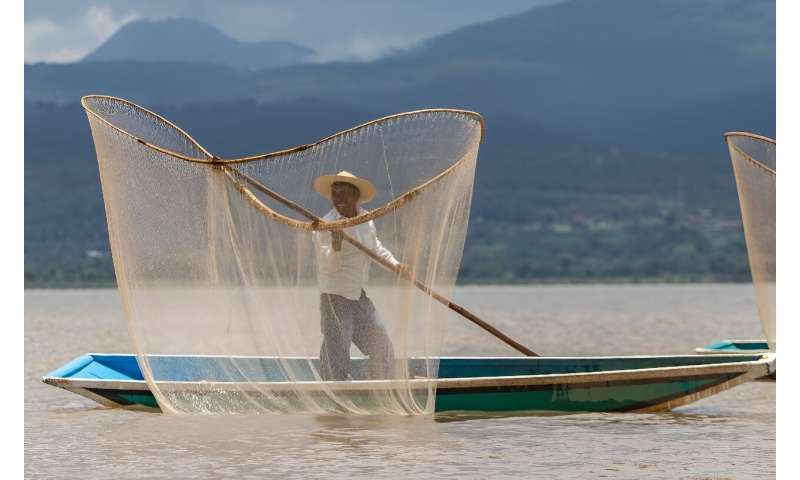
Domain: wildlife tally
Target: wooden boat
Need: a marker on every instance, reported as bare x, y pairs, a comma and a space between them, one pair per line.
470, 384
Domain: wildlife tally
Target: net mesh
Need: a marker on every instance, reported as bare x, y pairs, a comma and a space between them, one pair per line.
239, 297
753, 160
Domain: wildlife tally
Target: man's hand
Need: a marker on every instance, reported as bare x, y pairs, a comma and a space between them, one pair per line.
336, 240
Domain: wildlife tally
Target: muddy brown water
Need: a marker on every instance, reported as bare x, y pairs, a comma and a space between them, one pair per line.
727, 436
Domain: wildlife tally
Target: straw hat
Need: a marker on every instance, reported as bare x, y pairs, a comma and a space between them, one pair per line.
323, 185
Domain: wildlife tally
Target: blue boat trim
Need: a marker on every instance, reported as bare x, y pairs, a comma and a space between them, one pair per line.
73, 367
736, 346
181, 368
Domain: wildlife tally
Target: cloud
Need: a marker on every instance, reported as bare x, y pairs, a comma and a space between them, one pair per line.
252, 22
101, 21
48, 41
59, 31
365, 47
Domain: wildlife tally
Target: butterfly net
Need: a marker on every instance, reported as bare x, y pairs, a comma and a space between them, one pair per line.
245, 288
753, 160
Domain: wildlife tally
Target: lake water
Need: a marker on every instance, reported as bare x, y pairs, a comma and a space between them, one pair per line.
727, 436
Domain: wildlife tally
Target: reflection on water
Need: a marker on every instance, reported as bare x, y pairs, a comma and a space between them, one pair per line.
731, 435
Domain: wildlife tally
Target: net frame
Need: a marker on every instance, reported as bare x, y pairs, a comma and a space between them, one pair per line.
243, 182
214, 160
758, 210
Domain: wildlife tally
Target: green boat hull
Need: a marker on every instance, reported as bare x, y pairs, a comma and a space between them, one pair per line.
727, 347
602, 384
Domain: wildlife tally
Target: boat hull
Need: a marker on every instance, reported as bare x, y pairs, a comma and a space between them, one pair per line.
564, 384
727, 347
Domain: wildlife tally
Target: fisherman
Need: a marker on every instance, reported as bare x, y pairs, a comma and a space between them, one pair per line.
347, 314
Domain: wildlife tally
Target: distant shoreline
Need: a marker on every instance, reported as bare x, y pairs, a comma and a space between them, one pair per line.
666, 280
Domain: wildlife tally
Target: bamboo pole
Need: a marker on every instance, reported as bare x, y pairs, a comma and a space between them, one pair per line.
230, 171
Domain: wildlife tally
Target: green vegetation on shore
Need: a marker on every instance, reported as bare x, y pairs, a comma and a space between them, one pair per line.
576, 249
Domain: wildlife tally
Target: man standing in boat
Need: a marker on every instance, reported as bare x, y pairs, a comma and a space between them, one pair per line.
347, 314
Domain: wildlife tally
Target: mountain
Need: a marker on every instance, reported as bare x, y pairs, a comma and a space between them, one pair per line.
182, 40
601, 68
145, 82
592, 70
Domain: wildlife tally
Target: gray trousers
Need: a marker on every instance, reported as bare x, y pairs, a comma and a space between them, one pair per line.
345, 321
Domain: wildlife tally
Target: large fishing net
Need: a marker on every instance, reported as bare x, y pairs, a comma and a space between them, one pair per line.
753, 160
247, 290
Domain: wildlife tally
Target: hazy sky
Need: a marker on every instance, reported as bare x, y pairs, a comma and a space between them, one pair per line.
65, 31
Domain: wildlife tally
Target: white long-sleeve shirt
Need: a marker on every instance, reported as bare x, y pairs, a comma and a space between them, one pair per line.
347, 271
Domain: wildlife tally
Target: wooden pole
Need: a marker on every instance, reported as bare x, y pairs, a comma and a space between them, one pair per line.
384, 263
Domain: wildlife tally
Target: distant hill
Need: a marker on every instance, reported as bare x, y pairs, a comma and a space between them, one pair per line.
591, 70
153, 82
185, 40
600, 69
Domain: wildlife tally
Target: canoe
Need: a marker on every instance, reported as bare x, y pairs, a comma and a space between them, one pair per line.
465, 384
